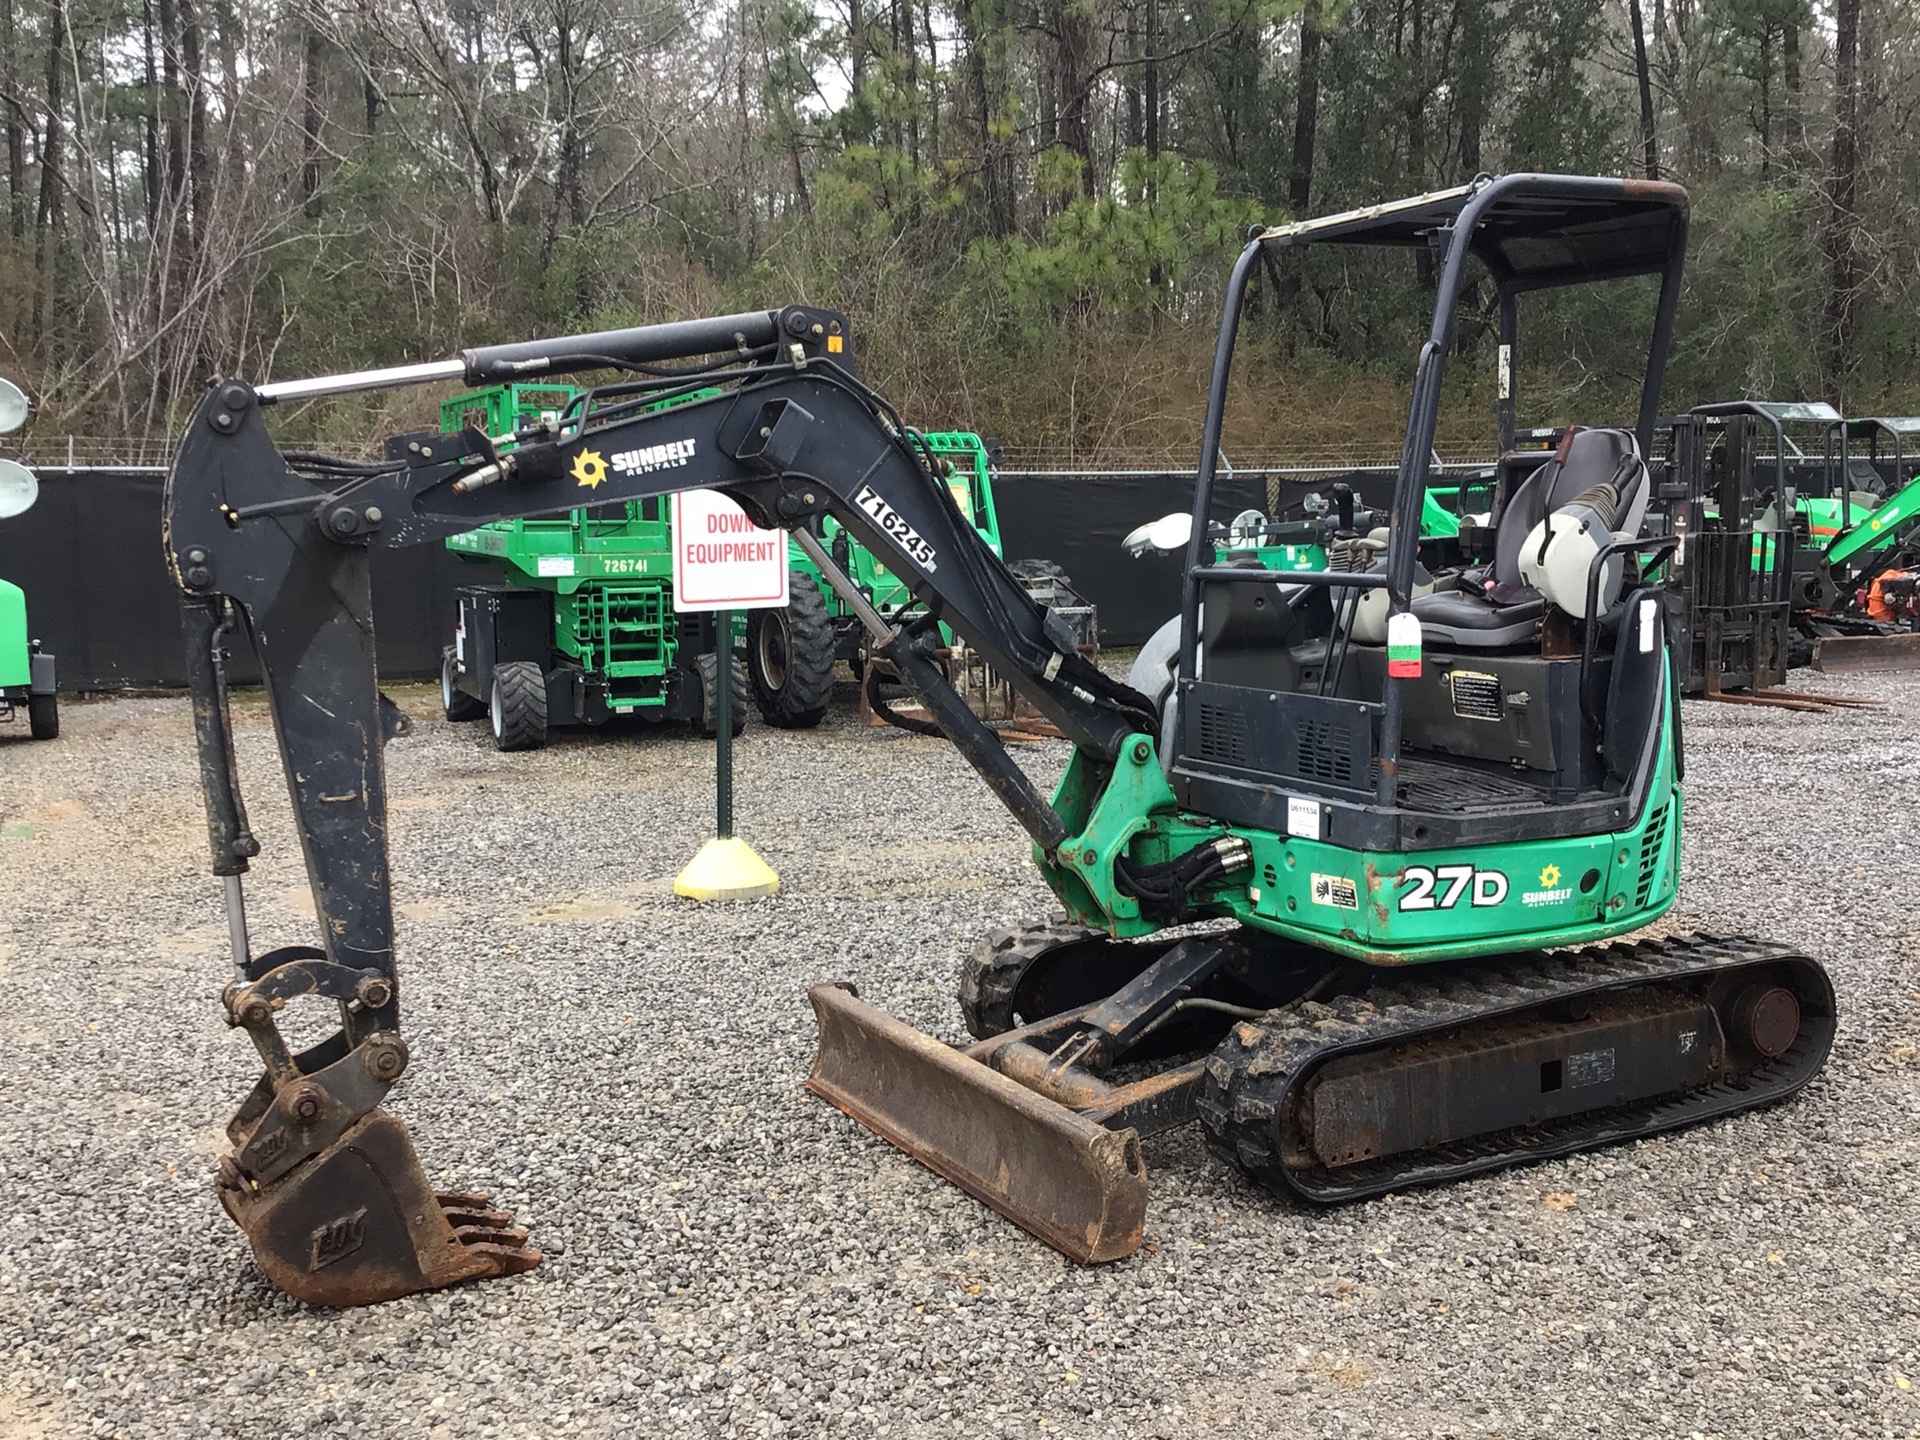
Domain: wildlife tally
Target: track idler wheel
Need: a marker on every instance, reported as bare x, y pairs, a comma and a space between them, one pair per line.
1766, 1019
1029, 972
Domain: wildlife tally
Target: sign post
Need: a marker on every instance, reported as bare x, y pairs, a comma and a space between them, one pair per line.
722, 562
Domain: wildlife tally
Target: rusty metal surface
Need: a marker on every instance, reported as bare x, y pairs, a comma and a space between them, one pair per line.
1075, 1184
358, 1223
1440, 1089
1783, 699
1863, 654
325, 1185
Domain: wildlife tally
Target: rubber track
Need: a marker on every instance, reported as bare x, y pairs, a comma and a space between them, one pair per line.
1250, 1076
991, 975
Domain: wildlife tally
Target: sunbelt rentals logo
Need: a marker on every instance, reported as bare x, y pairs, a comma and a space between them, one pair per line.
1551, 891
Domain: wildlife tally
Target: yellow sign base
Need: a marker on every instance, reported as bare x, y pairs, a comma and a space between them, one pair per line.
726, 870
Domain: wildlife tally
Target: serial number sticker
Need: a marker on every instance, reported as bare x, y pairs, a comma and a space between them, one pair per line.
892, 524
1591, 1067
1303, 817
554, 565
1337, 891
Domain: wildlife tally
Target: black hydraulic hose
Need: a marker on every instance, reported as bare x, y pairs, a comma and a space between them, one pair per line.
1162, 889
911, 724
337, 464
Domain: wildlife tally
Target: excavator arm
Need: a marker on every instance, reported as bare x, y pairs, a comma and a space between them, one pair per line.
324, 1183
1895, 514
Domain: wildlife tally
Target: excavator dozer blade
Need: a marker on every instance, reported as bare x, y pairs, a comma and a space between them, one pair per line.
359, 1223
1862, 654
1075, 1184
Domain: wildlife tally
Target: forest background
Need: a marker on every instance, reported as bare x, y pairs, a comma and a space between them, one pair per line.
1027, 207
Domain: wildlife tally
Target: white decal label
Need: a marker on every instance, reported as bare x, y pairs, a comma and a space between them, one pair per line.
1337, 891
1506, 372
645, 461
1444, 886
553, 565
1648, 609
904, 535
1551, 891
1303, 817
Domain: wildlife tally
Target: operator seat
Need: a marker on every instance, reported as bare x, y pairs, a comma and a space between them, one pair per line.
1493, 609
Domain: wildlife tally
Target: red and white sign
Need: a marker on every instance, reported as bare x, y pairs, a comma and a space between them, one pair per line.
721, 559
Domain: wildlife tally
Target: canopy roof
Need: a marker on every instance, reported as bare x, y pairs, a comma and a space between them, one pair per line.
1798, 410
1531, 231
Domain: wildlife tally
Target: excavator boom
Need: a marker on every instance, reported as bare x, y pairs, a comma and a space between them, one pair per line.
325, 1185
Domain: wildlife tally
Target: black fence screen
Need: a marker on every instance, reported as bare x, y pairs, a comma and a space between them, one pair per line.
100, 599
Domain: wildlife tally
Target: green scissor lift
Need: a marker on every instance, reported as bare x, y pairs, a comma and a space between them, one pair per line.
585, 627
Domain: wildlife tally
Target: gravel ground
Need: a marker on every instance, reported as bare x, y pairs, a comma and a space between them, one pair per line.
729, 1255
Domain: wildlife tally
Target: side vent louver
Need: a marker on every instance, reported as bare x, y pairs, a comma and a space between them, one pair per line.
1324, 752
1223, 734
1650, 844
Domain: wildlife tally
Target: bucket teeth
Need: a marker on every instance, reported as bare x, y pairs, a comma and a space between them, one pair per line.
358, 1223
468, 1213
505, 1248
480, 1227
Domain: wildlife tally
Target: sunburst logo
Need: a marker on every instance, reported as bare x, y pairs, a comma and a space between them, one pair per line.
1549, 877
589, 469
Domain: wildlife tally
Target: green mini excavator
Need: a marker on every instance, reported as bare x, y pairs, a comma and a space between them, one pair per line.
1407, 818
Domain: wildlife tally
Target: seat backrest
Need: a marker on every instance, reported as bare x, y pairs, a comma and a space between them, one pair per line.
1589, 457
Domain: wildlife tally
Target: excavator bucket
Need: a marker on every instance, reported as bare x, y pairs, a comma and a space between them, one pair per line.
324, 1181
1075, 1184
359, 1223
1862, 654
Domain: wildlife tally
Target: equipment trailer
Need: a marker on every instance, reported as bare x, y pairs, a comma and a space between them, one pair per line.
1396, 831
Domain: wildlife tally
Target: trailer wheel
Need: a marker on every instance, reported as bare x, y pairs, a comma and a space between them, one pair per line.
518, 707
708, 668
43, 716
790, 654
455, 703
